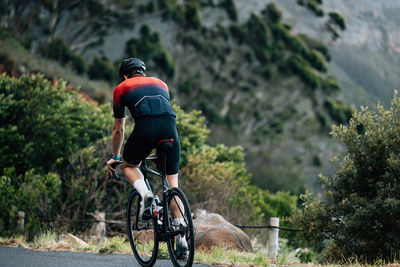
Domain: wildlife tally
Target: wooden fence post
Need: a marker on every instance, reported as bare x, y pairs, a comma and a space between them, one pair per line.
21, 221
100, 225
273, 244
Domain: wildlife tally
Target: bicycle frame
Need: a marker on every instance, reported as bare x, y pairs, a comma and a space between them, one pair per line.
164, 231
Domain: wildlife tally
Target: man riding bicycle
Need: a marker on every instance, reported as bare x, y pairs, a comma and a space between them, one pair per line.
148, 101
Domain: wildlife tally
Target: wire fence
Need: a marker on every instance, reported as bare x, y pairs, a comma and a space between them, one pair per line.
99, 226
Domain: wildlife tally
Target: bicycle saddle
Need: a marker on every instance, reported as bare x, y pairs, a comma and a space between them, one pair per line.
166, 144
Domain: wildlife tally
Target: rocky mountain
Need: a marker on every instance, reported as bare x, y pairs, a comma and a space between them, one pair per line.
366, 57
252, 68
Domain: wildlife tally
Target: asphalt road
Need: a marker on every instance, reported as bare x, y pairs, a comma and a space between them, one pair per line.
22, 257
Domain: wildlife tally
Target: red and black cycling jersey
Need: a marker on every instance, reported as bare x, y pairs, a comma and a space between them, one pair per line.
143, 96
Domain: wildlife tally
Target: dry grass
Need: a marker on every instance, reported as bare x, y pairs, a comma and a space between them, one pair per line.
119, 245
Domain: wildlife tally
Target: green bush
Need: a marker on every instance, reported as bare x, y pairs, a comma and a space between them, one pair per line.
34, 193
78, 64
57, 49
230, 8
52, 123
313, 5
192, 15
300, 67
7, 61
305, 255
102, 69
224, 179
330, 85
164, 61
317, 45
238, 32
338, 20
359, 216
150, 49
272, 13
338, 110
316, 60
257, 32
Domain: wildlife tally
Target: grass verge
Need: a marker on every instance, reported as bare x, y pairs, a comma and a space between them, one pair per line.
119, 245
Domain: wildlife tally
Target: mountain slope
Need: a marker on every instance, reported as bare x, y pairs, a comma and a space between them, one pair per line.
259, 84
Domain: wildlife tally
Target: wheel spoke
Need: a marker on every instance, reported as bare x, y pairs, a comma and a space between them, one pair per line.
181, 237
142, 236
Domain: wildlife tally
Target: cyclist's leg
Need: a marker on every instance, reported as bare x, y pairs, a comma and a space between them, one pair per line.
137, 147
173, 182
172, 169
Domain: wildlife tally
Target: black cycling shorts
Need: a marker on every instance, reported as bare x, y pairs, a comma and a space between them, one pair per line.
147, 133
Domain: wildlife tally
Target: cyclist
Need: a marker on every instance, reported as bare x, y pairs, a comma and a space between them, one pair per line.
148, 101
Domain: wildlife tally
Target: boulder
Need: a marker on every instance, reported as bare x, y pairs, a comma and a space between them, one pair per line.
212, 229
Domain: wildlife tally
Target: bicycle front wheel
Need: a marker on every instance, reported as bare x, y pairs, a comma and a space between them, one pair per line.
180, 239
142, 235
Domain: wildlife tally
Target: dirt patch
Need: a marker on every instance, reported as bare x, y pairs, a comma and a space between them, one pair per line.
10, 243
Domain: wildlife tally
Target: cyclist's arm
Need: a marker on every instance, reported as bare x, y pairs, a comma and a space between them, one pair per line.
118, 135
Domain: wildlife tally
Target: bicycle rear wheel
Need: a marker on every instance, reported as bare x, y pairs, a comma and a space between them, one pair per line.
184, 229
142, 236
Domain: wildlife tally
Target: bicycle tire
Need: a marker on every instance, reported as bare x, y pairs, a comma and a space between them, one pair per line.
187, 229
140, 237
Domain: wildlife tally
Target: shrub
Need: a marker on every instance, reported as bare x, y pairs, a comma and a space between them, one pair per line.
102, 69
338, 110
359, 216
330, 85
8, 62
316, 60
78, 64
216, 175
313, 5
317, 45
272, 13
51, 124
305, 255
192, 17
36, 194
257, 32
58, 50
238, 32
230, 8
150, 49
267, 72
338, 20
164, 61
300, 67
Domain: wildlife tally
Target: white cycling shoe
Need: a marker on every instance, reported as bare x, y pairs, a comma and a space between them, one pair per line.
146, 207
181, 247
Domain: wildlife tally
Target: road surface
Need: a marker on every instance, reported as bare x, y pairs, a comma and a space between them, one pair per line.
22, 257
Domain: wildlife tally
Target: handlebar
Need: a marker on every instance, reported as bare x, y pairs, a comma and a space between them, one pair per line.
115, 164
113, 172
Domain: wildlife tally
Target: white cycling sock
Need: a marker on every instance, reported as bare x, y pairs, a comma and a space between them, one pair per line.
177, 221
141, 187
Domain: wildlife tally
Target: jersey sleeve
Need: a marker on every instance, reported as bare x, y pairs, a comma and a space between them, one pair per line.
118, 105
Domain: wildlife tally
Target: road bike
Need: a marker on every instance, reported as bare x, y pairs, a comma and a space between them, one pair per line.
145, 237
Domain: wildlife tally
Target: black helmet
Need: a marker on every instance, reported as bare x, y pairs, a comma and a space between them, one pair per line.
130, 66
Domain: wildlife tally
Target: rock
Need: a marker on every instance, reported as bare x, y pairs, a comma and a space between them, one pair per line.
213, 230
76, 241
145, 236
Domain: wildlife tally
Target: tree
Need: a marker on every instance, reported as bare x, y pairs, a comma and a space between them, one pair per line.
42, 126
86, 22
359, 216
